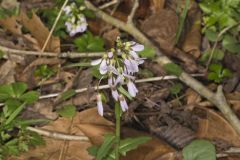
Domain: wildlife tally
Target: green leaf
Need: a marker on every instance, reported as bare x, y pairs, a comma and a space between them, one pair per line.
10, 106
199, 150
89, 13
36, 139
15, 114
67, 94
93, 150
148, 52
217, 68
6, 91
30, 97
129, 144
213, 76
19, 88
218, 55
174, 69
124, 92
211, 35
226, 73
89, 43
231, 44
68, 111
132, 143
105, 147
175, 89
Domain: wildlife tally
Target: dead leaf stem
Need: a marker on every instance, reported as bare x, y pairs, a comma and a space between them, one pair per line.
215, 98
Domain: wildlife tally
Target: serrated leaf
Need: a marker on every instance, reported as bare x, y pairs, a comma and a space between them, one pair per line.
67, 94
199, 150
68, 111
174, 69
105, 147
30, 97
124, 92
19, 88
10, 106
6, 91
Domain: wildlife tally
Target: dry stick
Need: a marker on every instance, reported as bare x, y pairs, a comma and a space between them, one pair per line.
83, 138
106, 5
51, 54
58, 135
217, 98
54, 26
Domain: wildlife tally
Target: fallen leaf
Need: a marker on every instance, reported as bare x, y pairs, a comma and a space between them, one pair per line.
216, 127
90, 124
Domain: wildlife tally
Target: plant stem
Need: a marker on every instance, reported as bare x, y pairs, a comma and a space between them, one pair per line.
117, 134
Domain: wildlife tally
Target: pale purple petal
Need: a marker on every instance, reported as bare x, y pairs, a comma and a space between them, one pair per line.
123, 104
99, 105
120, 79
137, 47
110, 81
103, 67
96, 62
134, 54
115, 94
110, 54
132, 89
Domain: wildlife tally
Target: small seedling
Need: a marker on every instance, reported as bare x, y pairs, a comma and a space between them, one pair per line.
217, 73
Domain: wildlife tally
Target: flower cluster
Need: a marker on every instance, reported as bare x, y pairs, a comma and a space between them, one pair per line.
120, 65
76, 21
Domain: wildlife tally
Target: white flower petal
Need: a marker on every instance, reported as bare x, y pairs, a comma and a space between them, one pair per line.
123, 104
115, 94
99, 105
134, 54
103, 67
96, 62
132, 89
137, 47
110, 54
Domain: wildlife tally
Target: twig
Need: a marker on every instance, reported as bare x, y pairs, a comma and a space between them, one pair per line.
134, 9
163, 60
153, 79
106, 5
58, 135
51, 54
54, 26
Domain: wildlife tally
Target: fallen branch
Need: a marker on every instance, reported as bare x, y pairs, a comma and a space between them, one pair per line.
58, 135
217, 99
51, 54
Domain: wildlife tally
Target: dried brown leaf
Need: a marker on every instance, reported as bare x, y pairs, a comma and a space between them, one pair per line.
216, 127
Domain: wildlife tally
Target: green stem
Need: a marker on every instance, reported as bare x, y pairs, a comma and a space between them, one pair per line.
117, 134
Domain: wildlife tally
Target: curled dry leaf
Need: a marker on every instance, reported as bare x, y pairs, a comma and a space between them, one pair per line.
191, 44
216, 127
